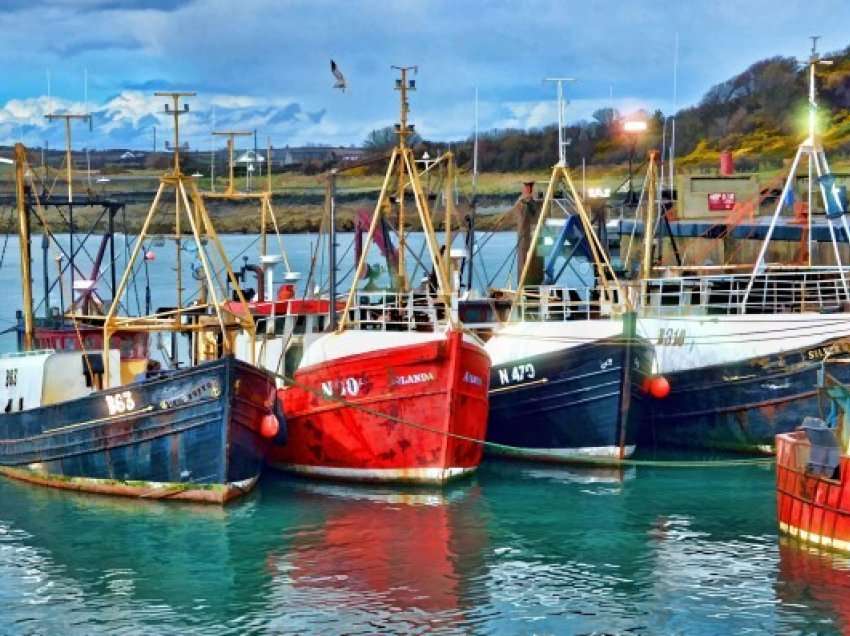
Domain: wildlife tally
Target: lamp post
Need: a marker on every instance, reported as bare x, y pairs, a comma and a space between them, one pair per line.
633, 128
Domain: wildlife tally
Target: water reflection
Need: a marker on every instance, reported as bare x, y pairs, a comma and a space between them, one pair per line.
813, 586
519, 548
405, 560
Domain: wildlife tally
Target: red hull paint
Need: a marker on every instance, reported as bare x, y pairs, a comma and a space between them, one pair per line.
337, 412
814, 509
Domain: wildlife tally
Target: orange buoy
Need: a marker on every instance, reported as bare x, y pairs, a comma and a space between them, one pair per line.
286, 291
269, 426
659, 387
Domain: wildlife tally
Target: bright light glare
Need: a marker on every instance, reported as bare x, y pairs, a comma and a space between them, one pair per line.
634, 125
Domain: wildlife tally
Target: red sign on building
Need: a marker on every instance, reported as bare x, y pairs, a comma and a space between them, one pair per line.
721, 201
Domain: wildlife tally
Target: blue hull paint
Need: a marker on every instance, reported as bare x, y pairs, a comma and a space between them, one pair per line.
571, 408
196, 428
737, 407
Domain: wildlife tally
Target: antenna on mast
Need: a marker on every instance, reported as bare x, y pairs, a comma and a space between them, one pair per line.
176, 112
231, 135
475, 150
404, 85
562, 143
68, 118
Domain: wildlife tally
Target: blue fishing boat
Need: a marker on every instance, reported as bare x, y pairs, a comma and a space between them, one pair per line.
740, 345
740, 373
194, 425
560, 391
565, 357
194, 434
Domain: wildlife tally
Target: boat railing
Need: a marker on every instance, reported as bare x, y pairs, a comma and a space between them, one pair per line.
550, 303
395, 311
776, 290
793, 451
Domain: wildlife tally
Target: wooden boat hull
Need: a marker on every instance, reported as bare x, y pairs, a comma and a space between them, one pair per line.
737, 407
192, 435
565, 405
810, 507
413, 413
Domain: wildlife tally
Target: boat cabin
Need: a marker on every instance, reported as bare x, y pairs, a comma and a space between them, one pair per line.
42, 377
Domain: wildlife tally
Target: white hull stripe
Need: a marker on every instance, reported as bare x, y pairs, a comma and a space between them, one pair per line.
816, 539
422, 475
562, 453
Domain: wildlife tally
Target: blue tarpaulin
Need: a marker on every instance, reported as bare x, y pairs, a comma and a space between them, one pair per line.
836, 196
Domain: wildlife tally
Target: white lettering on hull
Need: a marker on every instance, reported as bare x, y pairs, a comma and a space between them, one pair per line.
412, 378
348, 387
518, 373
471, 378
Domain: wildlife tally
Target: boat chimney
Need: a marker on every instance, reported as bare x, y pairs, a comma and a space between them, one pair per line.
727, 163
269, 262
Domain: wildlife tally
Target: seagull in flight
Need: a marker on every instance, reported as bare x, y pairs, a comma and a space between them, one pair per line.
340, 78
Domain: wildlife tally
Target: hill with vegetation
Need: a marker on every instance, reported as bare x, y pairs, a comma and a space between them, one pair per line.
759, 115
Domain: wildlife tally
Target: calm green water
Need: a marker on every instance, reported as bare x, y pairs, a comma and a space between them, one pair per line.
517, 549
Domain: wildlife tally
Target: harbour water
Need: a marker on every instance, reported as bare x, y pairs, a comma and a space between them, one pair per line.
518, 548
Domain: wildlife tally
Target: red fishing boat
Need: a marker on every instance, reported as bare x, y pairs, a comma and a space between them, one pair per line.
813, 475
398, 392
387, 406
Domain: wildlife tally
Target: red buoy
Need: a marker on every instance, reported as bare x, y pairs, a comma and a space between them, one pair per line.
150, 255
659, 387
269, 426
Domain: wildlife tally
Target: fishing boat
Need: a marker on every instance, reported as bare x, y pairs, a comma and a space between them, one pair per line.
398, 390
197, 432
813, 473
564, 357
740, 346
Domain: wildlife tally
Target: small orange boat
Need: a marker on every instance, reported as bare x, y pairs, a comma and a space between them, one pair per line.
813, 474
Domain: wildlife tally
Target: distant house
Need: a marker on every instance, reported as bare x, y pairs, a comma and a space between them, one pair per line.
250, 160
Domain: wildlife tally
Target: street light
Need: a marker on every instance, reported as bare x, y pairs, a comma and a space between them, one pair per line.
633, 128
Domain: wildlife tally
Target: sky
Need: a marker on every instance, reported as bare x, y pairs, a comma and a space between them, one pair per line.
265, 64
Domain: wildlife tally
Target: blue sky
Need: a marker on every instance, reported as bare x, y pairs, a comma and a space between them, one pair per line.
265, 63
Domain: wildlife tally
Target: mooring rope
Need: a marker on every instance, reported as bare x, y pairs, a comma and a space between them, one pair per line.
586, 461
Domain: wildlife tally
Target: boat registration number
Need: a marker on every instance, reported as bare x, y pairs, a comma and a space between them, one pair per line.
120, 402
670, 337
517, 373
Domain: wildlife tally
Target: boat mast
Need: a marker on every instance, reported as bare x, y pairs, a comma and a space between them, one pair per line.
69, 164
560, 174
403, 131
69, 175
402, 165
264, 196
24, 238
649, 220
470, 243
812, 148
331, 203
202, 228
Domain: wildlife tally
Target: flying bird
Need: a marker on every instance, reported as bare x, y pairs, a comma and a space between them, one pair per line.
340, 78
